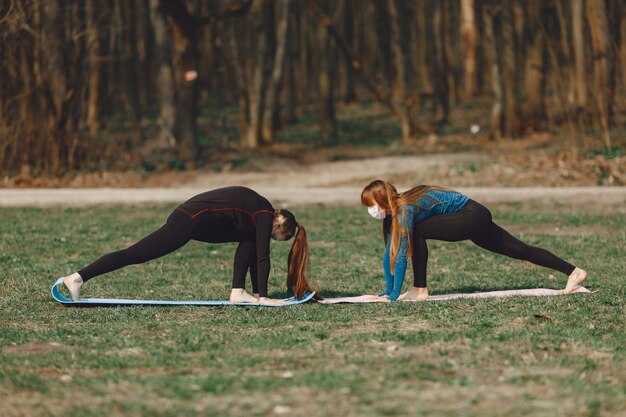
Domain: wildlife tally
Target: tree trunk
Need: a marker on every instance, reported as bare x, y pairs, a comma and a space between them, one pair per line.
442, 88
399, 85
328, 123
289, 110
622, 46
58, 92
255, 86
510, 74
598, 25
383, 36
468, 42
535, 69
144, 51
185, 61
93, 122
240, 79
580, 78
128, 63
426, 87
349, 93
451, 36
271, 108
491, 53
165, 77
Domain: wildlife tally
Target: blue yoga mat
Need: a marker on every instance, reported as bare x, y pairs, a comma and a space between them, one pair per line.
84, 302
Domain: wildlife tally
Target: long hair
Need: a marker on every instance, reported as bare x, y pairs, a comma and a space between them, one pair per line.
298, 259
387, 197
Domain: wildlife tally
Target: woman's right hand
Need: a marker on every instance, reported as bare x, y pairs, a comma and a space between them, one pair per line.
272, 301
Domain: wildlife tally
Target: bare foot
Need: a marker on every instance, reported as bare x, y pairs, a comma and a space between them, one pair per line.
272, 301
239, 295
575, 279
73, 283
415, 294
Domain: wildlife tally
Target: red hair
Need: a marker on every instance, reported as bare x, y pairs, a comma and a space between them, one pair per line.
386, 196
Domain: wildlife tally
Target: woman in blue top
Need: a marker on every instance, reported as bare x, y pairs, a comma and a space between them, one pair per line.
427, 212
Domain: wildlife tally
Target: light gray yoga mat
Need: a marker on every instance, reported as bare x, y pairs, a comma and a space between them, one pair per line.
536, 292
92, 302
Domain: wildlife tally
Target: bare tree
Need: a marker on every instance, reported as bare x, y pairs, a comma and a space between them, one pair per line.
93, 121
270, 108
622, 45
535, 67
422, 50
468, 45
328, 122
165, 77
510, 70
256, 65
598, 25
442, 86
580, 77
400, 85
58, 93
491, 53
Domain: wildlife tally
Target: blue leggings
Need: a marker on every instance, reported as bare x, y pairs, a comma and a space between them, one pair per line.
474, 222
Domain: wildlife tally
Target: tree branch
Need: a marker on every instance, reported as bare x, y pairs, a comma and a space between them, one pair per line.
177, 10
355, 64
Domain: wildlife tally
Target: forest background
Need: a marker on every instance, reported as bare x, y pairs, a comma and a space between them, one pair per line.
161, 85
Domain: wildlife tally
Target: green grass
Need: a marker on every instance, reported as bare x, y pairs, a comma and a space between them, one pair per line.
544, 356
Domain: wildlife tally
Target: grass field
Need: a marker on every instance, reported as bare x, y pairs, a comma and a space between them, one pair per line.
545, 356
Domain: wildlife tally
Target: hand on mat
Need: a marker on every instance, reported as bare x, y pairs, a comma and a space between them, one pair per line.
272, 301
415, 294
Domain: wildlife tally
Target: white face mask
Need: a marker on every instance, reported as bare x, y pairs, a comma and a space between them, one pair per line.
376, 212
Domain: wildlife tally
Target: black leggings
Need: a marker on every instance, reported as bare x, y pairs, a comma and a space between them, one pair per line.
174, 234
474, 222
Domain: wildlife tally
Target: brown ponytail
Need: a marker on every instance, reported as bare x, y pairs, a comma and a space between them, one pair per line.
298, 265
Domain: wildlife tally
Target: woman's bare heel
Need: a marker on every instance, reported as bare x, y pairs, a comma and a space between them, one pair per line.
574, 280
239, 295
415, 294
73, 283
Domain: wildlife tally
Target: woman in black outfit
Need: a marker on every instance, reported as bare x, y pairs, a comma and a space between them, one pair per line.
230, 214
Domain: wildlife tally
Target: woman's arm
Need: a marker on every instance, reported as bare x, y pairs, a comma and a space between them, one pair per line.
387, 271
263, 237
399, 269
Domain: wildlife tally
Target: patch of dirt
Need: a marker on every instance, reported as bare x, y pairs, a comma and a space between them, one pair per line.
33, 348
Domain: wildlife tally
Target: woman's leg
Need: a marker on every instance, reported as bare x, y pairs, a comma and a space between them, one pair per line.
245, 257
498, 240
474, 222
175, 233
495, 239
453, 227
172, 236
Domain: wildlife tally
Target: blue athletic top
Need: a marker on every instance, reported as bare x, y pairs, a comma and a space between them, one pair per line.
432, 203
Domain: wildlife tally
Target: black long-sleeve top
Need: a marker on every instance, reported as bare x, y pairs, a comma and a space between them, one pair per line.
235, 214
